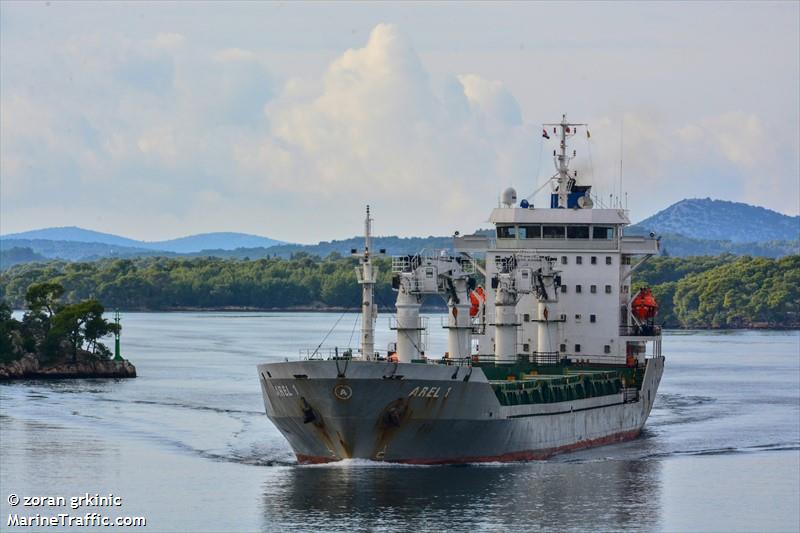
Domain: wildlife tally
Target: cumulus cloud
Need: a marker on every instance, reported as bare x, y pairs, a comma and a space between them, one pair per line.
167, 133
491, 99
727, 155
378, 129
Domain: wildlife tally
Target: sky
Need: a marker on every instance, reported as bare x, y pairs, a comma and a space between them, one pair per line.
158, 120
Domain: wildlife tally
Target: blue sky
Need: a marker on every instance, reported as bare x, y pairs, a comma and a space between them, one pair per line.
156, 120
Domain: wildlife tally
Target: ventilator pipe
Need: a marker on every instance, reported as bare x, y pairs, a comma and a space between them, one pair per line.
547, 340
547, 331
505, 328
409, 331
459, 327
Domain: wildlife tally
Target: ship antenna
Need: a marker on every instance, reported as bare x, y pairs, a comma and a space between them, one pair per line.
562, 159
621, 148
563, 166
367, 228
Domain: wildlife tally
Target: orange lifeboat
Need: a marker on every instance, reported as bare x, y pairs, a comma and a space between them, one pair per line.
477, 298
644, 306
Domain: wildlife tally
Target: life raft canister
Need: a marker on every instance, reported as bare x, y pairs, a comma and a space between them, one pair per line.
476, 298
644, 306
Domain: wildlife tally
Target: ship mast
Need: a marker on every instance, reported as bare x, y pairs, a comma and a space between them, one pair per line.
562, 159
367, 274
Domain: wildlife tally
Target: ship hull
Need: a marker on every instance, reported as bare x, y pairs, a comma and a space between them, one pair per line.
435, 414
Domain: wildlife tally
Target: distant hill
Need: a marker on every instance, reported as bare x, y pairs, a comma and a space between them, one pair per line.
233, 245
72, 234
210, 241
720, 220
75, 250
680, 246
694, 227
18, 256
392, 245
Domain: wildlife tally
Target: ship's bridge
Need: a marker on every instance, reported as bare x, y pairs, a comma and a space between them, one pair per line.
557, 229
511, 215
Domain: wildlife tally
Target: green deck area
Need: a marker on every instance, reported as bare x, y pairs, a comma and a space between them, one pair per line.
525, 383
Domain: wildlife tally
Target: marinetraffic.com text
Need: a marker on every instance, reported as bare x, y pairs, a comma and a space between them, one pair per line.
69, 511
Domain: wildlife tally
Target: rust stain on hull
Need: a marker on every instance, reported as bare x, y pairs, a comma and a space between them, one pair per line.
390, 419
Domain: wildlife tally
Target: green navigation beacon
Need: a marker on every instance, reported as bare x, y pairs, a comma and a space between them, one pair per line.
117, 356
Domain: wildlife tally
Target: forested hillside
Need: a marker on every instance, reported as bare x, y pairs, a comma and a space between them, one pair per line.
718, 292
18, 256
725, 291
679, 246
719, 220
167, 283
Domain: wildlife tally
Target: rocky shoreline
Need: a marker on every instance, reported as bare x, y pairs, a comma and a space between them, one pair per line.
28, 367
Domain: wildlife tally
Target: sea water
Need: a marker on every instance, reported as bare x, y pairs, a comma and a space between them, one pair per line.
187, 446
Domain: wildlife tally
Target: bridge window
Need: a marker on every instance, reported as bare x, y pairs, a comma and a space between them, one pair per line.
506, 232
553, 232
608, 289
577, 348
530, 232
592, 318
603, 232
606, 349
577, 232
608, 259
594, 260
563, 259
578, 288
593, 289
563, 288
579, 260
563, 347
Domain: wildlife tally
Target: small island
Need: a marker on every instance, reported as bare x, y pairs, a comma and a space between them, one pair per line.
59, 341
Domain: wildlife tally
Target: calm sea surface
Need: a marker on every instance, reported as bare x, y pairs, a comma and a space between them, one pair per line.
187, 444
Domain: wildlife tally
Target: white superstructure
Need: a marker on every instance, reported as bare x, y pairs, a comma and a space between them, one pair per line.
594, 259
556, 283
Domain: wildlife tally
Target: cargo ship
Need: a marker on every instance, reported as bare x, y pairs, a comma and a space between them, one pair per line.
549, 350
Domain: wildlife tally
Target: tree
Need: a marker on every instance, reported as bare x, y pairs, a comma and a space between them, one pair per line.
97, 327
42, 300
43, 297
82, 323
10, 339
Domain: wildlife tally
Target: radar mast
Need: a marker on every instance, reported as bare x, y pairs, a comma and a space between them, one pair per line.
561, 159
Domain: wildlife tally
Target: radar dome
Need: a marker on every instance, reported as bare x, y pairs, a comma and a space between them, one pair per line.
509, 197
